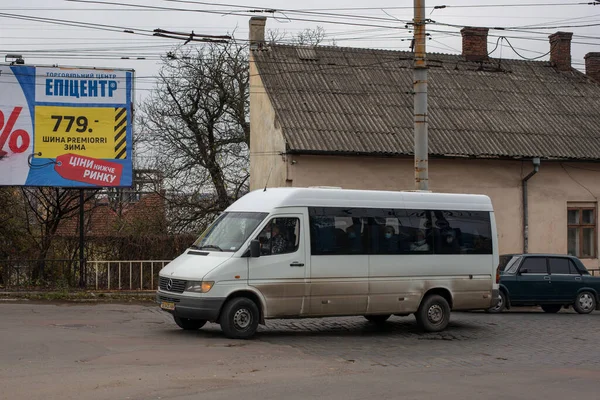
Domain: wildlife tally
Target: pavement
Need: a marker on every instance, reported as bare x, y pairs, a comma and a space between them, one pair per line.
135, 351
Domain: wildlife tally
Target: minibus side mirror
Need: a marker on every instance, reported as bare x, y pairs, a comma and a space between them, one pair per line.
255, 249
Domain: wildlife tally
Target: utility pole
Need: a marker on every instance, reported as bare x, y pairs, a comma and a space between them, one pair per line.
420, 92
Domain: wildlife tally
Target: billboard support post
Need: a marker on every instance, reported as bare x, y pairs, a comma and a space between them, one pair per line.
81, 241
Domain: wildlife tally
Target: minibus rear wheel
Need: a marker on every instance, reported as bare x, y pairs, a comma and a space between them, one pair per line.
189, 324
239, 318
433, 314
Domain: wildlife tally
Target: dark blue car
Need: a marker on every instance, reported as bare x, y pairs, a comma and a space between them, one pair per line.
551, 281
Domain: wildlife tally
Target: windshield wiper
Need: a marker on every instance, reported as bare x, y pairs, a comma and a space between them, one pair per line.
209, 246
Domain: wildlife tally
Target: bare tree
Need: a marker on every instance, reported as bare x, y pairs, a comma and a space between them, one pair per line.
312, 37
306, 37
12, 214
195, 127
46, 208
274, 36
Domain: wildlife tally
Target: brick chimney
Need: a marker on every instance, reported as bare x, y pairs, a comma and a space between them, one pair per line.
474, 43
560, 50
592, 66
257, 32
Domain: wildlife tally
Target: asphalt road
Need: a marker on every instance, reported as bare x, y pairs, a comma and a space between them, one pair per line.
110, 351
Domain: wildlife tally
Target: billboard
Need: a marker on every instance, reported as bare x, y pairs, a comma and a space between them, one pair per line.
66, 127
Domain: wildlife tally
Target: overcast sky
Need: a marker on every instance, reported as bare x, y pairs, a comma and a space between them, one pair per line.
379, 26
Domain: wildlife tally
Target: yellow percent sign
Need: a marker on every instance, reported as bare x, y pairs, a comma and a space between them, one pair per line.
98, 132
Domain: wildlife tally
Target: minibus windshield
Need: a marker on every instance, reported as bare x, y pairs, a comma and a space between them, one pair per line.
229, 231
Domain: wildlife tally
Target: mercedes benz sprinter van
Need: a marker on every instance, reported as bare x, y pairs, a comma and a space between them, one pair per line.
315, 252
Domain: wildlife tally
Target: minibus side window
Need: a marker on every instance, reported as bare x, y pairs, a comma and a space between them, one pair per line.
462, 232
400, 232
337, 231
280, 236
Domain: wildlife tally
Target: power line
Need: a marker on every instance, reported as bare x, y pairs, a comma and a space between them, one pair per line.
517, 28
525, 58
73, 9
580, 18
453, 6
65, 22
243, 14
120, 29
288, 11
89, 25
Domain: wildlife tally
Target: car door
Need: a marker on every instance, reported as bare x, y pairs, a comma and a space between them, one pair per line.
566, 280
533, 284
280, 272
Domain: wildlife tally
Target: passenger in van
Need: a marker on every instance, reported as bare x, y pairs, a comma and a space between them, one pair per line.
354, 239
389, 242
449, 243
420, 244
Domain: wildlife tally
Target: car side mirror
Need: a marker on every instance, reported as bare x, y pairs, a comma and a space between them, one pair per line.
255, 249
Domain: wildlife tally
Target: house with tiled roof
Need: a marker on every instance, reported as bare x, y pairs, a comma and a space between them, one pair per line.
525, 133
139, 210
105, 218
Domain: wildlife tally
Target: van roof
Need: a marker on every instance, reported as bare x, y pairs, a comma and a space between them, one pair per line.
266, 201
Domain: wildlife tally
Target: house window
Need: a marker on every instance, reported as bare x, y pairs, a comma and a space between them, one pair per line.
582, 231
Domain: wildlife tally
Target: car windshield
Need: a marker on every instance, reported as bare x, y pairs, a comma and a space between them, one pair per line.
229, 231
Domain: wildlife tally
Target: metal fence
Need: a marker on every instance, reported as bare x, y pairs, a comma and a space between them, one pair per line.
64, 274
24, 274
124, 275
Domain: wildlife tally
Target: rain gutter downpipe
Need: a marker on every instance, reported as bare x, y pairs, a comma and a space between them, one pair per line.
536, 168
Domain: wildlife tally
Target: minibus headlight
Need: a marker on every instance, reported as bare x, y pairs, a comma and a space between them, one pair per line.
199, 287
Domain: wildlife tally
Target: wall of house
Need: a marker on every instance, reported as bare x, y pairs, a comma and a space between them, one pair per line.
550, 189
267, 145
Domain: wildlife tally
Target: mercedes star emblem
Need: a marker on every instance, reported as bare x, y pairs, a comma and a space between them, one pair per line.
169, 284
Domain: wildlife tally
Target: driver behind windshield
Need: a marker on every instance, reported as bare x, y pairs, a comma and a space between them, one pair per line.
272, 241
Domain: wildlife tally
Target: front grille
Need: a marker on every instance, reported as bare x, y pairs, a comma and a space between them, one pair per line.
169, 299
177, 285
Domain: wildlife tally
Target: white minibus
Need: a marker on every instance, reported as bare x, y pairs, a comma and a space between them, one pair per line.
324, 252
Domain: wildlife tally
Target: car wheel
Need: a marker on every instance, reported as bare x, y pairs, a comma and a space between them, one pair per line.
501, 306
585, 303
189, 324
433, 314
551, 308
378, 319
239, 318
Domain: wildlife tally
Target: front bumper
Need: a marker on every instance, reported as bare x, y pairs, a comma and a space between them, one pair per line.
192, 307
495, 297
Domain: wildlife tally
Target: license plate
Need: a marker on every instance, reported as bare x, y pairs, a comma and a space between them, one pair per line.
167, 305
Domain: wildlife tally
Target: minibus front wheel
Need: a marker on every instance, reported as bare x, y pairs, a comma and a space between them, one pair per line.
239, 318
